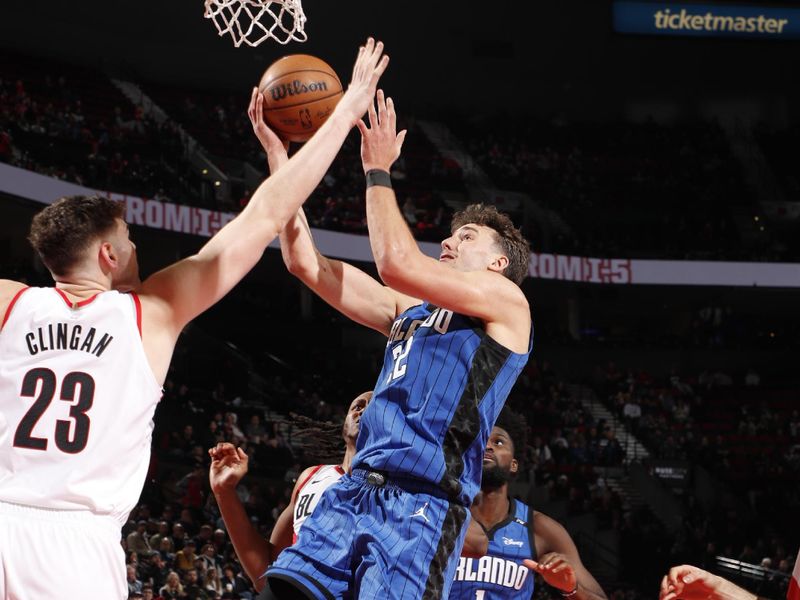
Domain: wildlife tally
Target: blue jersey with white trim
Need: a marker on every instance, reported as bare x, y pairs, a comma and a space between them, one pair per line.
443, 383
500, 574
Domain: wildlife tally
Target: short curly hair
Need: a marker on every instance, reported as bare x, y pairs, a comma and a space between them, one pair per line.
61, 232
511, 241
516, 426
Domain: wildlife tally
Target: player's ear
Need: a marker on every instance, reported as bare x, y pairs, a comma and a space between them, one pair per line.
107, 255
514, 465
499, 263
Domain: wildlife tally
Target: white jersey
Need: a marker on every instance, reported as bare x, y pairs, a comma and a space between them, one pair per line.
77, 398
308, 494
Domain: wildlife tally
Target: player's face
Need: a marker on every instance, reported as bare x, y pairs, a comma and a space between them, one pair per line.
353, 418
125, 276
473, 248
498, 459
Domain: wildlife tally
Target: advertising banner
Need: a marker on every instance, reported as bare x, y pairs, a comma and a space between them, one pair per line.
706, 20
348, 246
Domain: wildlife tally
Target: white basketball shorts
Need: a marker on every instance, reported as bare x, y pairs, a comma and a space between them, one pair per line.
54, 554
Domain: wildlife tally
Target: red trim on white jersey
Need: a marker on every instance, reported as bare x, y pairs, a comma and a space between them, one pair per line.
306, 480
72, 304
138, 304
793, 593
11, 305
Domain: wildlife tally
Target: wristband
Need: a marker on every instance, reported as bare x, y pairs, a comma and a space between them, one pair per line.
379, 177
570, 594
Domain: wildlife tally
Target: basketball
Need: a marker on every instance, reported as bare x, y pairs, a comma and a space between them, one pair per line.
300, 93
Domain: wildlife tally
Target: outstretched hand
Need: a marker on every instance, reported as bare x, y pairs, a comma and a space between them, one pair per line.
274, 146
380, 142
556, 570
228, 466
368, 68
686, 582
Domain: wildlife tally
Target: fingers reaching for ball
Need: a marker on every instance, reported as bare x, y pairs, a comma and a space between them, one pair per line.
381, 144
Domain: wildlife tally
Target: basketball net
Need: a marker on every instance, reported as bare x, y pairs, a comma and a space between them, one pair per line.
254, 21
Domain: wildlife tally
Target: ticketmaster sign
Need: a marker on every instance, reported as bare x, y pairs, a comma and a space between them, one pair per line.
707, 20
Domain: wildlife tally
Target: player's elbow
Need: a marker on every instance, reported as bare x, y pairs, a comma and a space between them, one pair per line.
393, 264
294, 265
390, 269
302, 267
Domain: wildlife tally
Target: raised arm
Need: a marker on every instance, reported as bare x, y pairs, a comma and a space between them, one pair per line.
182, 291
228, 466
559, 562
349, 290
484, 294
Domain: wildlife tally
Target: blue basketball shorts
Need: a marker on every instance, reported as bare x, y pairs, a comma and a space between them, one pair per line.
375, 537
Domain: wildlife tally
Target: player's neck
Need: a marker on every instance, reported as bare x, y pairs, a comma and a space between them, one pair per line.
347, 461
83, 286
491, 506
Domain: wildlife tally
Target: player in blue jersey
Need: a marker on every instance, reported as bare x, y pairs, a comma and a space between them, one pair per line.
459, 333
517, 535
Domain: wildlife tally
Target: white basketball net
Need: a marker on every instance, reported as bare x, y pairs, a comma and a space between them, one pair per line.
253, 21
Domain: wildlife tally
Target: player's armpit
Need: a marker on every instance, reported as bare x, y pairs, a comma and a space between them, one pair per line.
476, 543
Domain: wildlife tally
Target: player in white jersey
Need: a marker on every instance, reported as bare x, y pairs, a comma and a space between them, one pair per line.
229, 465
81, 364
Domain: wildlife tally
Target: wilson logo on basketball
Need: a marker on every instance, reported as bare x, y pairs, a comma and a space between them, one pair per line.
296, 88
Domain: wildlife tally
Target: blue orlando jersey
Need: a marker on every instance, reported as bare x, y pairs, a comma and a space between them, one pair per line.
443, 383
500, 574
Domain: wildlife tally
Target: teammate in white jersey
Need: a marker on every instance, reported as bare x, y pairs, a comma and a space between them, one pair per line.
229, 465
81, 364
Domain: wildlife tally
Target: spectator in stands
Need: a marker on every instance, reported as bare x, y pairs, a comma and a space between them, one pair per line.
212, 581
134, 585
138, 541
173, 588
203, 538
192, 587
209, 557
155, 570
255, 431
611, 452
162, 533
167, 549
235, 582
184, 559
632, 411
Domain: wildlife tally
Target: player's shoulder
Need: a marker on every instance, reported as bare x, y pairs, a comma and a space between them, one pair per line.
509, 293
9, 291
304, 477
9, 288
551, 533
